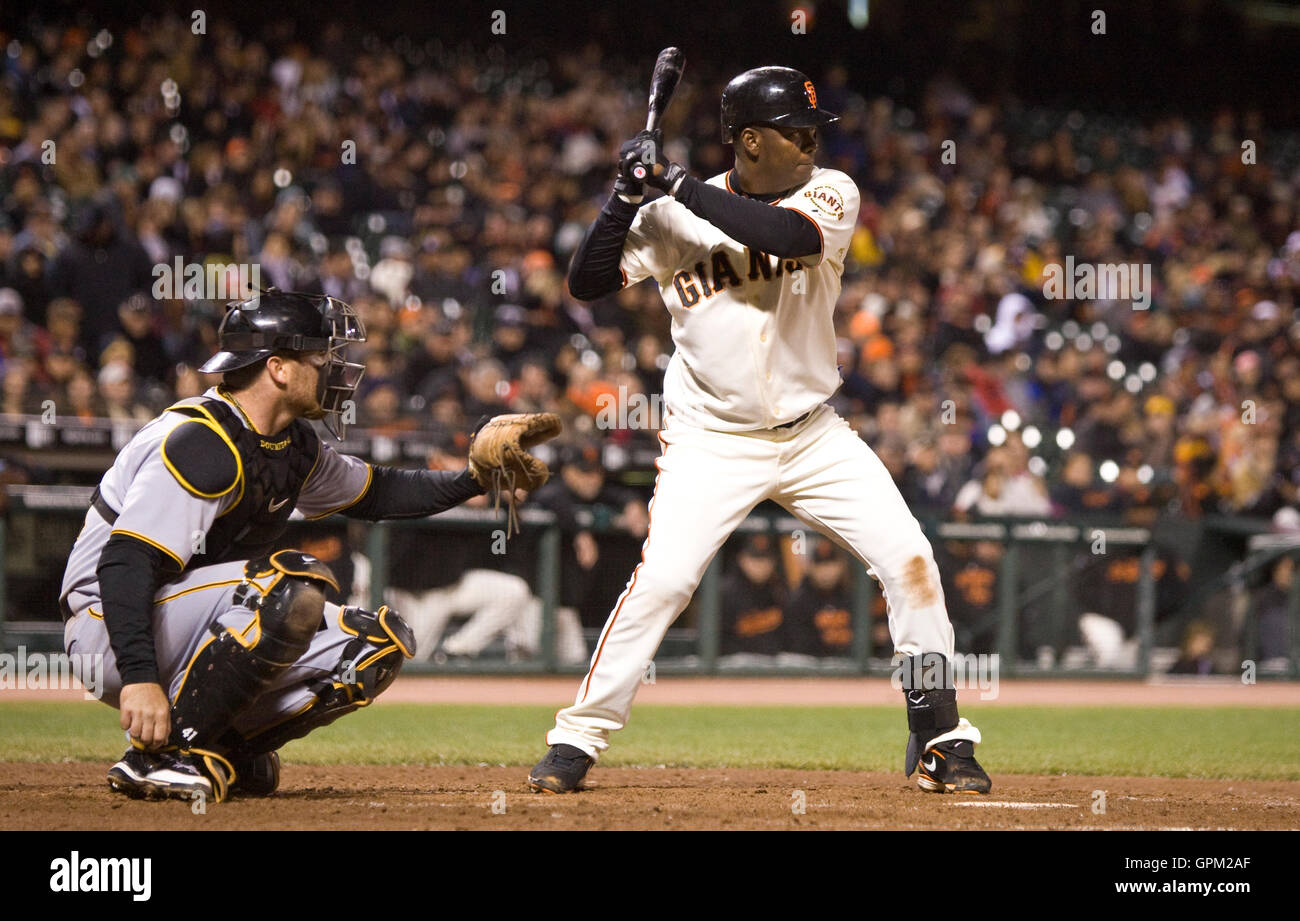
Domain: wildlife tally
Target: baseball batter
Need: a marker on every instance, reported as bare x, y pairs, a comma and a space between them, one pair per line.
749, 265
218, 649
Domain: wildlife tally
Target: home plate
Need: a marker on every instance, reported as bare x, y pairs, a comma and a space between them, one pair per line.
1006, 805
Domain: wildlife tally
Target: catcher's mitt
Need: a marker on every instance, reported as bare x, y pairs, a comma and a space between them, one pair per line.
499, 458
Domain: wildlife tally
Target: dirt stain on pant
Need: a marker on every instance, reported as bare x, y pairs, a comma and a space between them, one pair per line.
918, 584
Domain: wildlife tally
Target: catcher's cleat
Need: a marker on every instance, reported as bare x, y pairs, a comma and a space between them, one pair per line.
950, 767
158, 775
256, 775
561, 771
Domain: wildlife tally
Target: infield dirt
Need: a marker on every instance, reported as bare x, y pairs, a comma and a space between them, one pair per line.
75, 796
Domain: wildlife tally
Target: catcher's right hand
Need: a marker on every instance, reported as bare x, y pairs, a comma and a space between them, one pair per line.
499, 460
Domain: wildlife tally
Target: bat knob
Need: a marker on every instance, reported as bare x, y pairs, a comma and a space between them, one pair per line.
638, 172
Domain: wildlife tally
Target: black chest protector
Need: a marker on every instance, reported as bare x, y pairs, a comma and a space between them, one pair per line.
274, 471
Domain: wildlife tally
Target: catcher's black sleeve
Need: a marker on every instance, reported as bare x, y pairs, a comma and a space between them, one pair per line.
396, 493
594, 271
779, 232
129, 573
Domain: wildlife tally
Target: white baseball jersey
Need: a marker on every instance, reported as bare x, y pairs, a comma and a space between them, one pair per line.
755, 334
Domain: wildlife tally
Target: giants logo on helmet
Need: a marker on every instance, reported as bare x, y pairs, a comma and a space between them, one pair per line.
812, 93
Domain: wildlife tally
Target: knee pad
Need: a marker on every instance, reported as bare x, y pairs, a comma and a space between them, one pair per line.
369, 663
288, 611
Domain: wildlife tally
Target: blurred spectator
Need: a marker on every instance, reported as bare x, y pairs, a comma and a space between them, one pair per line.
101, 267
135, 319
117, 388
1271, 612
1196, 653
818, 618
970, 588
753, 592
1003, 489
586, 506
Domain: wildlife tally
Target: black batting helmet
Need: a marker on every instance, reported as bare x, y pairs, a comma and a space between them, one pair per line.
287, 321
777, 96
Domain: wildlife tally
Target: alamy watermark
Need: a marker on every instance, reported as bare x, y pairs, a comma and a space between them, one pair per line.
205, 281
933, 671
103, 874
634, 411
55, 671
1098, 281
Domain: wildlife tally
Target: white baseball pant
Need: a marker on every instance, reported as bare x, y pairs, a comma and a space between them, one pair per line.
822, 473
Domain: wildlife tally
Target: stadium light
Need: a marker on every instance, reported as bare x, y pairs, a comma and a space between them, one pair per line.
1011, 420
1108, 471
1065, 439
1032, 436
997, 434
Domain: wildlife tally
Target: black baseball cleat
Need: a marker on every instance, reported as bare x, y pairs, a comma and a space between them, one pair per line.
158, 775
950, 767
256, 775
561, 771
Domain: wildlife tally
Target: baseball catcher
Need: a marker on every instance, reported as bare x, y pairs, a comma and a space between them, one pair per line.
218, 647
749, 263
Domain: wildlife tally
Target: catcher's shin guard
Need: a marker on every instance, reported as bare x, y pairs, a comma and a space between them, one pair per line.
369, 664
231, 670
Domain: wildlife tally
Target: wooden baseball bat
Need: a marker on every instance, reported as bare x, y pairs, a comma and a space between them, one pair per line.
667, 73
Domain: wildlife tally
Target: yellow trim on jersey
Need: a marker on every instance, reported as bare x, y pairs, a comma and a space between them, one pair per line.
370, 474
190, 487
151, 542
91, 612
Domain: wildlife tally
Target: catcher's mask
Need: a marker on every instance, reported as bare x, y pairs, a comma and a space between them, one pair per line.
277, 320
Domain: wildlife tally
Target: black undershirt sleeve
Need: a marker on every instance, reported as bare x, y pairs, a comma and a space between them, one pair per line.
397, 493
594, 271
129, 573
779, 232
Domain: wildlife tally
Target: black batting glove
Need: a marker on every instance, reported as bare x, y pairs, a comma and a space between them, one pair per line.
642, 162
629, 155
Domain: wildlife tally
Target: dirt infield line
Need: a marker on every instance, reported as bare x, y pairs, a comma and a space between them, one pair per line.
558, 690
333, 797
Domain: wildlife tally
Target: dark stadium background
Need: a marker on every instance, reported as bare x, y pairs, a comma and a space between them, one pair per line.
1220, 69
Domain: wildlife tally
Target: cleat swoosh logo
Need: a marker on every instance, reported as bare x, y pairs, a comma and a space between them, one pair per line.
276, 506
930, 765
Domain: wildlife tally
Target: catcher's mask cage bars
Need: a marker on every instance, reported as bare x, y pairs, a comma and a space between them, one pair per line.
339, 377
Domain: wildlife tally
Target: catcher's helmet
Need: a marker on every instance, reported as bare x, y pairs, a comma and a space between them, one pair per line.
287, 321
777, 96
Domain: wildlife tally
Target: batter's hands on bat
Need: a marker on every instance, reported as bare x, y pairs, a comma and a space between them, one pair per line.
642, 160
146, 713
628, 155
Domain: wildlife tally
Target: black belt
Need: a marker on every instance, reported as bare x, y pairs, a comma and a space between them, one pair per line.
793, 422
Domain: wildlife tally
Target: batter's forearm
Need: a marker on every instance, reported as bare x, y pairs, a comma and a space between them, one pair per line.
779, 232
396, 493
129, 573
595, 270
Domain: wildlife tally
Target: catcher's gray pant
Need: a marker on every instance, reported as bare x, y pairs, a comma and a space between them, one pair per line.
183, 612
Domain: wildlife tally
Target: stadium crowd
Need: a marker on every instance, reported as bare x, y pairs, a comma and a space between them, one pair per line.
442, 189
